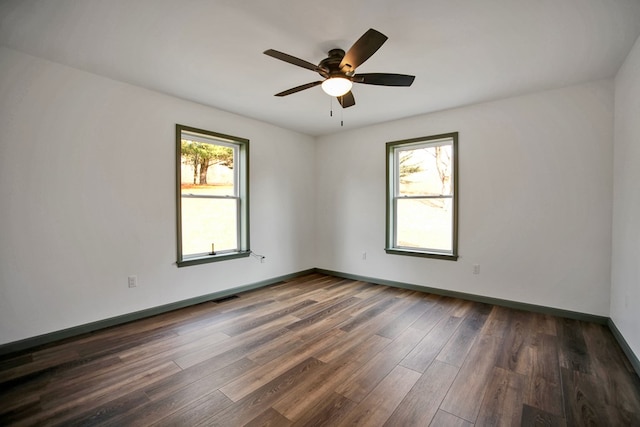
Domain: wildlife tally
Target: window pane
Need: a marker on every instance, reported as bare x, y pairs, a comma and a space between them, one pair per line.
425, 171
207, 169
206, 221
212, 171
424, 224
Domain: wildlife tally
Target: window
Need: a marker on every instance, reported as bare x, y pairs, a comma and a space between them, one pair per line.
212, 196
422, 196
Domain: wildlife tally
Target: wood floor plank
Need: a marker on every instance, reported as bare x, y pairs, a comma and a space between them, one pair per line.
13, 393
263, 398
622, 390
402, 322
321, 326
108, 383
378, 406
467, 391
544, 324
583, 401
573, 349
331, 309
206, 372
253, 379
544, 391
369, 292
280, 346
440, 309
224, 314
11, 415
155, 410
345, 343
323, 382
517, 344
102, 372
445, 419
456, 349
117, 344
197, 412
92, 377
375, 370
427, 350
534, 417
173, 347
106, 412
368, 315
34, 369
422, 402
61, 408
317, 350
255, 321
503, 399
328, 412
269, 418
225, 356
245, 343
328, 295
14, 361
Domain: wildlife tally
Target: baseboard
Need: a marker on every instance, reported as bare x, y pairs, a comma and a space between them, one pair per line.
473, 297
633, 359
39, 340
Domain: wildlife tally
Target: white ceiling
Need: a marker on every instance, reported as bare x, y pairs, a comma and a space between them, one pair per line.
210, 51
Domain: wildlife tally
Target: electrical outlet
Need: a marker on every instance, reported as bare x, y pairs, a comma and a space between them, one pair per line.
133, 281
364, 256
476, 268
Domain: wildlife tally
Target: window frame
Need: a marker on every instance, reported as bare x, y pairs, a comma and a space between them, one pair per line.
392, 196
241, 194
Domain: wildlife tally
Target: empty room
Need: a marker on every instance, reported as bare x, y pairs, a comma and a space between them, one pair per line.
295, 213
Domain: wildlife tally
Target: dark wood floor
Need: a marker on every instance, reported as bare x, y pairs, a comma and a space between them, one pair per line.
319, 350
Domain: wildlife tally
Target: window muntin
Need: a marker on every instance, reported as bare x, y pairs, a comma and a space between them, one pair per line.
212, 200
422, 196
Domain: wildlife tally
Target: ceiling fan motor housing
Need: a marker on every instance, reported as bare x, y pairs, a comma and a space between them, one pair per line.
332, 63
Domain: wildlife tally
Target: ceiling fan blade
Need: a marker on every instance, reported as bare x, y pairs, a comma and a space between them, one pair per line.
362, 50
298, 88
347, 100
384, 79
295, 61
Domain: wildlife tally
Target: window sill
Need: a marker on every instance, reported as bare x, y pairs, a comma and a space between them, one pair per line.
212, 258
423, 254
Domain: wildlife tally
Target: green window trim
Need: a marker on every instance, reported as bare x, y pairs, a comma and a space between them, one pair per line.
395, 197
236, 197
212, 258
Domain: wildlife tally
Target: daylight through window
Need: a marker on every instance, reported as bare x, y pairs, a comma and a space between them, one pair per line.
212, 196
422, 196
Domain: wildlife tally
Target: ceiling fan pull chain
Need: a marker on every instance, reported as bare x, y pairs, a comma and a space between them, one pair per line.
342, 116
331, 107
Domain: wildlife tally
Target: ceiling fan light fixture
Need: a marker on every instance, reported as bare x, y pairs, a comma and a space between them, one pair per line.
336, 86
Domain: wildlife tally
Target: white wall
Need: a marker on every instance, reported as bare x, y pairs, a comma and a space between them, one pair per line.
87, 197
625, 277
535, 199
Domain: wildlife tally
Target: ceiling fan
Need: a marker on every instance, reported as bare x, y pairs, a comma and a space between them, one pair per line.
338, 69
